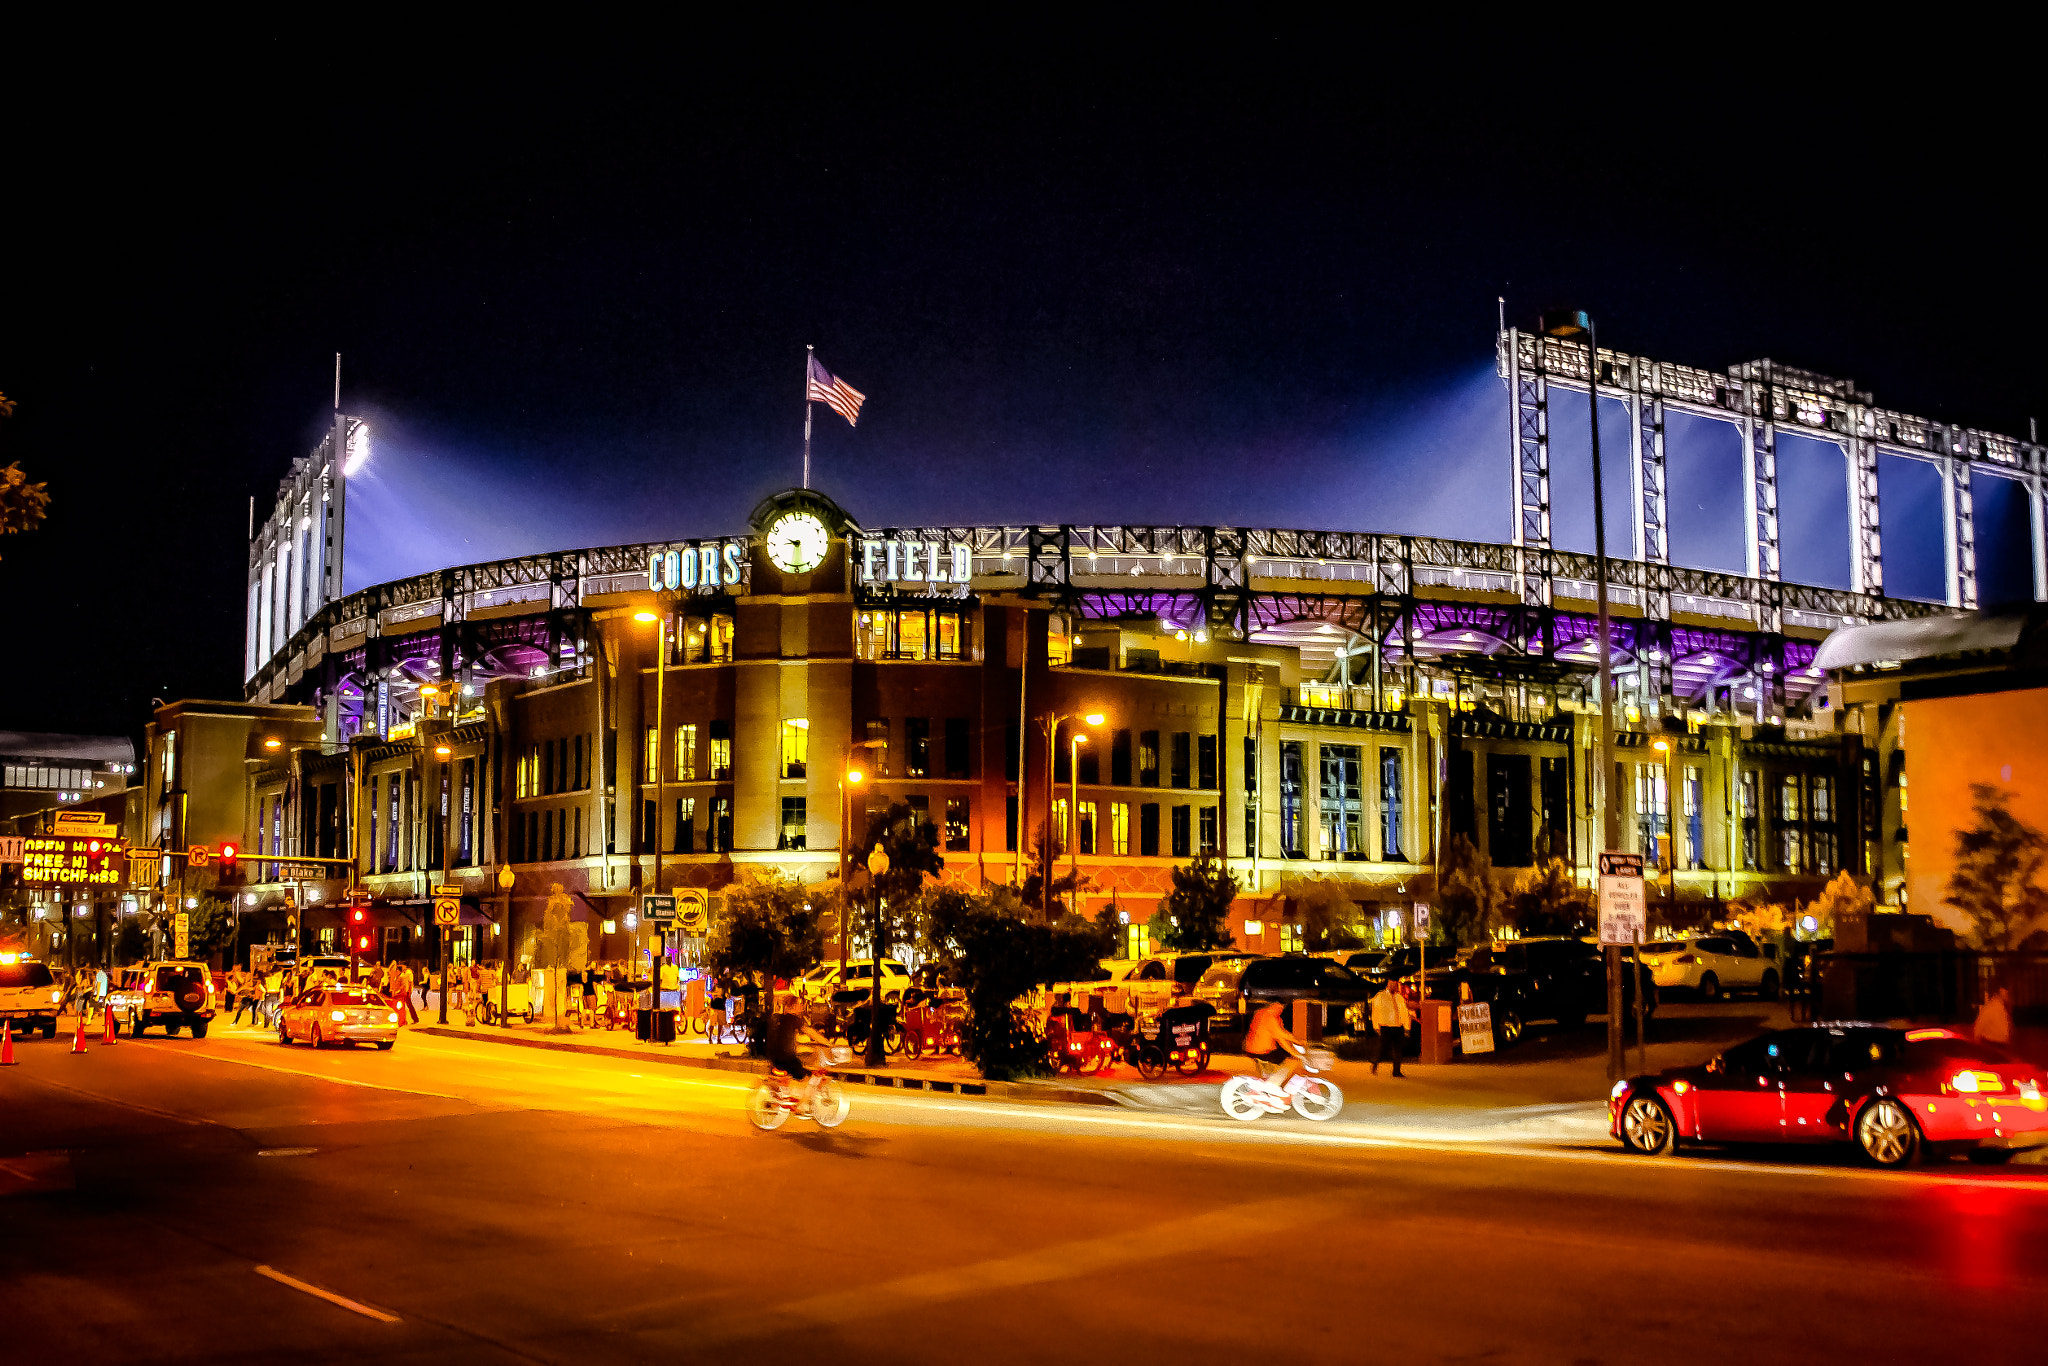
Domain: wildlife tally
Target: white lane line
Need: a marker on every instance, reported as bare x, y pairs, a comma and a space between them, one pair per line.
317, 1076
351, 1305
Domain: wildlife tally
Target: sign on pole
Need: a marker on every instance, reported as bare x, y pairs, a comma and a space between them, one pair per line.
693, 912
1422, 920
448, 891
13, 849
1623, 908
182, 931
1475, 1027
658, 910
447, 910
197, 856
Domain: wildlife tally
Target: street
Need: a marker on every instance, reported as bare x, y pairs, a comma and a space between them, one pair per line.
181, 1200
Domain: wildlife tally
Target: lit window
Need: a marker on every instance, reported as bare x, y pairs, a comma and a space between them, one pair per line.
1087, 810
796, 748
1290, 939
956, 823
1120, 828
793, 818
686, 752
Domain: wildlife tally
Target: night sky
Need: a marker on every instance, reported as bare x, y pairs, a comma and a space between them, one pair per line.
1079, 278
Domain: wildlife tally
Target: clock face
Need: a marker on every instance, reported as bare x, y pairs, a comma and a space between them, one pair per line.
797, 542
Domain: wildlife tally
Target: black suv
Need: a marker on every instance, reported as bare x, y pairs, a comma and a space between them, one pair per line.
1237, 987
1564, 979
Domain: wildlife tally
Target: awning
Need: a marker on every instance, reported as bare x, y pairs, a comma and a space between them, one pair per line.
1895, 642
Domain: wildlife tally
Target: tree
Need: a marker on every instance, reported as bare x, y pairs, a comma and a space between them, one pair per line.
998, 949
1328, 914
561, 944
1197, 907
22, 505
1997, 863
1043, 859
912, 846
1469, 898
1843, 898
1549, 900
131, 944
211, 925
774, 927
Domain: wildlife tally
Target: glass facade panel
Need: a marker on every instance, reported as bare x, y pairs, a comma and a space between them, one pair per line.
1391, 804
1343, 806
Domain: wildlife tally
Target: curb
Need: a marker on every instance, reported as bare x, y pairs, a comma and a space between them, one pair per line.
991, 1090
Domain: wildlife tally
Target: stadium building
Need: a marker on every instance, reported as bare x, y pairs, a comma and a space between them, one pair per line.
1321, 704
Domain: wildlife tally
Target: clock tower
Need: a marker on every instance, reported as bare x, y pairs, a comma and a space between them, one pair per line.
800, 540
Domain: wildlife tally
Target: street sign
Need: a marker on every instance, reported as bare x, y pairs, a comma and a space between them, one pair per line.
82, 823
1623, 908
198, 856
301, 872
693, 912
12, 849
358, 896
144, 864
658, 910
1422, 920
447, 910
54, 860
1475, 1027
182, 931
448, 891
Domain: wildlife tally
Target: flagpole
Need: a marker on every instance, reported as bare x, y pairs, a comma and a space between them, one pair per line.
807, 416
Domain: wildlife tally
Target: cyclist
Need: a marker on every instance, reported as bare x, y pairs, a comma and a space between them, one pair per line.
1267, 1040
786, 1031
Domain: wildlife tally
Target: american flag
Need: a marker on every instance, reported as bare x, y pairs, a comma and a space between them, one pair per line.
842, 397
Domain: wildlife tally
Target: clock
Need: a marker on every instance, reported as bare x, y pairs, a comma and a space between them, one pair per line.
797, 542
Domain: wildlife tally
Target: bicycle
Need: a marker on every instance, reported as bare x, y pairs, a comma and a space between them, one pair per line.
821, 1098
1312, 1096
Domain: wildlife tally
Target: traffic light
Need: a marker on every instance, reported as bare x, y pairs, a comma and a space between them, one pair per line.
227, 857
95, 856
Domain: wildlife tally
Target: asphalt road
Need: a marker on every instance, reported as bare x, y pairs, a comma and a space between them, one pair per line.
230, 1200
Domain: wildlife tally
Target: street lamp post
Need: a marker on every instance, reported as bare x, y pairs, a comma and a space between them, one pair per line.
1052, 740
654, 944
1074, 812
442, 752
1574, 323
505, 881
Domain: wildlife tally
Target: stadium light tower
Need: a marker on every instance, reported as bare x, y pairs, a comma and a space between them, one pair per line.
1573, 324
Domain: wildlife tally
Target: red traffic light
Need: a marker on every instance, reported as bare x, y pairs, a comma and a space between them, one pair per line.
92, 846
227, 853
363, 943
356, 915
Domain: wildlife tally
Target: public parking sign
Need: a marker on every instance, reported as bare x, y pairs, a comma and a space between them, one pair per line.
1623, 907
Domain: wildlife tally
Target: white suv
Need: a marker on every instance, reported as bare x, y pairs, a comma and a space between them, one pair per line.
173, 994
29, 996
820, 982
1714, 965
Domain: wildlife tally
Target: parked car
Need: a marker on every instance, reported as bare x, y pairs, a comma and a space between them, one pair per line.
1364, 962
1894, 1093
1713, 965
1166, 978
1506, 994
1237, 986
820, 983
348, 1015
176, 995
1566, 979
29, 995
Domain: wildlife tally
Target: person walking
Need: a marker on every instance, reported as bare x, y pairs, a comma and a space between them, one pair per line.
1994, 1018
1390, 1022
273, 996
403, 994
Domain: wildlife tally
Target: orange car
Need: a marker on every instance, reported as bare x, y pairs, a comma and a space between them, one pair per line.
349, 1015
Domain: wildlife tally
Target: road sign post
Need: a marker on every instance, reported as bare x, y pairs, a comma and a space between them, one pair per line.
181, 926
1622, 911
658, 910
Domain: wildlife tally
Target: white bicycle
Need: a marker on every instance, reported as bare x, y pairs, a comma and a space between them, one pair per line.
1311, 1096
775, 1098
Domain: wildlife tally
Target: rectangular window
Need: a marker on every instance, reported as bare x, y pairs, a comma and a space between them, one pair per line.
686, 825
1342, 808
650, 835
1791, 849
576, 841
878, 746
1180, 758
1695, 819
1059, 824
1747, 795
1508, 810
1207, 830
952, 640
917, 746
796, 749
1010, 734
910, 635
650, 755
1148, 830
1148, 758
1554, 827
1183, 834
1120, 828
1205, 762
1291, 832
686, 752
1091, 761
395, 798
1087, 826
956, 824
1653, 812
956, 747
721, 751
1290, 938
371, 847
1790, 807
719, 832
1010, 824
533, 837
792, 824
1251, 795
1120, 759
1391, 793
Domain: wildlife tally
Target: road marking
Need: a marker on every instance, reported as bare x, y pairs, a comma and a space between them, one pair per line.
351, 1305
285, 1152
1223, 1228
317, 1076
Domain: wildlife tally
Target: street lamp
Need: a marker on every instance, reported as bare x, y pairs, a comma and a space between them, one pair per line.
1074, 809
443, 753
654, 945
505, 881
1575, 324
1052, 735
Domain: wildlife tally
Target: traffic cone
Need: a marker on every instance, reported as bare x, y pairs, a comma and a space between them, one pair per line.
7, 1043
107, 1037
78, 1039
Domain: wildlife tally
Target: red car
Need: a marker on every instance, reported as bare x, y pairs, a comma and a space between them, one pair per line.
1894, 1093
